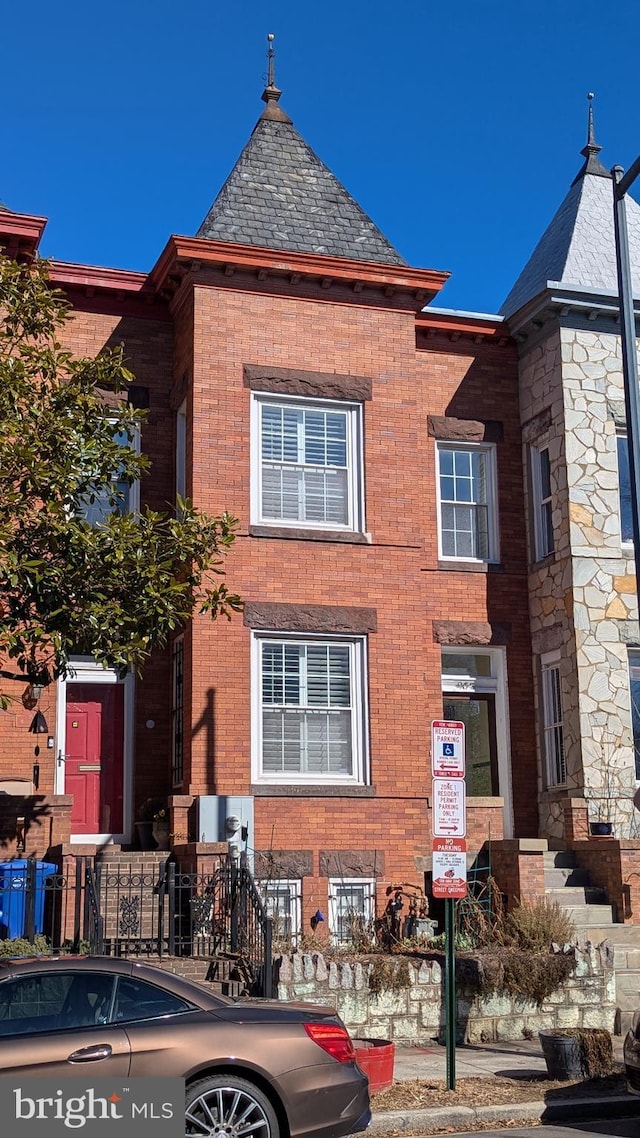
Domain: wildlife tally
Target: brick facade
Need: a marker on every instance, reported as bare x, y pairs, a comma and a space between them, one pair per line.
212, 344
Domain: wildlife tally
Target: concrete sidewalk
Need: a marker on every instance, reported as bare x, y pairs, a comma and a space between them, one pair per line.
517, 1060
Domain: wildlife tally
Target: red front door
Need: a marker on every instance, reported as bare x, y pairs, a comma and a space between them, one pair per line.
95, 757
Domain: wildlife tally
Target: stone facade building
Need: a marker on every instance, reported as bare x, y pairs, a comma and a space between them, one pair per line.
429, 529
563, 313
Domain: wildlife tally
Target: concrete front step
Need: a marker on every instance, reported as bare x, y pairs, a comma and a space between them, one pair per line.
559, 859
558, 878
591, 917
571, 896
628, 989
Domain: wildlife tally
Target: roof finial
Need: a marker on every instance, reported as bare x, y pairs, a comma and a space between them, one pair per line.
592, 147
271, 93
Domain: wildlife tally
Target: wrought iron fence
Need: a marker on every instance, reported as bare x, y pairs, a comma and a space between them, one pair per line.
128, 909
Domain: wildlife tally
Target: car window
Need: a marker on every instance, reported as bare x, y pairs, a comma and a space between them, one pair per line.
54, 1001
135, 999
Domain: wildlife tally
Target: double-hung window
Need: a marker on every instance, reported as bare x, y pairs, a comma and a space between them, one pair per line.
310, 715
351, 909
467, 502
99, 503
309, 469
624, 489
542, 502
552, 724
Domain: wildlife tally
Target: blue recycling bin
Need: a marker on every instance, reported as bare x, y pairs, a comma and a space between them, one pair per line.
14, 894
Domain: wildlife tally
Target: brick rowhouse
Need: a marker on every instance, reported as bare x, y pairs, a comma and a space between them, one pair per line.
265, 309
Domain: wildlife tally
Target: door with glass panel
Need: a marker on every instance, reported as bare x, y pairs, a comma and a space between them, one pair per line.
477, 712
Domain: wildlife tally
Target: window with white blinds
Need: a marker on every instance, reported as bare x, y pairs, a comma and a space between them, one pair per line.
310, 458
556, 771
467, 502
311, 714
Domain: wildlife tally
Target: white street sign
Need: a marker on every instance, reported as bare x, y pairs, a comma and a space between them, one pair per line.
449, 867
449, 815
447, 749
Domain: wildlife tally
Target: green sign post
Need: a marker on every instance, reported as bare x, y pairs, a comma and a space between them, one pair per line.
449, 857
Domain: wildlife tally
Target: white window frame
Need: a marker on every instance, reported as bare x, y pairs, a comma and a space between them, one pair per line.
368, 885
555, 764
355, 473
627, 542
357, 646
543, 536
491, 481
496, 684
293, 887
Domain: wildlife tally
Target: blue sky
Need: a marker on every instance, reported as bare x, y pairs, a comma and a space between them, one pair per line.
457, 126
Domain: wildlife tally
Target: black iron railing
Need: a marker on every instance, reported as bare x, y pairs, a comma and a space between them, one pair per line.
127, 909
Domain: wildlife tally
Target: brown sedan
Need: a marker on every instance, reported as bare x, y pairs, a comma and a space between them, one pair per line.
259, 1068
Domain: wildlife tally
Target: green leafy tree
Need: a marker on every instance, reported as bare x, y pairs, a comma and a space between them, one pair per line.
112, 587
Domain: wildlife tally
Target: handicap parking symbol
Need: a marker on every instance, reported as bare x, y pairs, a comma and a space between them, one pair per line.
447, 750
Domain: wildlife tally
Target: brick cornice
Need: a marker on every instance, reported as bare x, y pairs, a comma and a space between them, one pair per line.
457, 325
20, 233
227, 265
120, 291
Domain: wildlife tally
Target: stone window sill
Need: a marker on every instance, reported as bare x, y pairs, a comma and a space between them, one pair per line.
262, 790
471, 566
294, 533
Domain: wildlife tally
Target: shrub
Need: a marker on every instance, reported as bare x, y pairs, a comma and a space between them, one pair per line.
535, 926
388, 975
19, 946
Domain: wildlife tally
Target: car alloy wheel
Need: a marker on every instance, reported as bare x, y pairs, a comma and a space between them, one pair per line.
229, 1107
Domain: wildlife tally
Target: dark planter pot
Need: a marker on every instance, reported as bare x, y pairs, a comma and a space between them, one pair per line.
144, 831
563, 1056
601, 829
376, 1057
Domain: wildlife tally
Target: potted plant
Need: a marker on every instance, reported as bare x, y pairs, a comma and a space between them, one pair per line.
603, 807
153, 824
577, 1053
161, 827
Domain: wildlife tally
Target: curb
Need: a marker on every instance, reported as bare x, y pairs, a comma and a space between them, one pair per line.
463, 1116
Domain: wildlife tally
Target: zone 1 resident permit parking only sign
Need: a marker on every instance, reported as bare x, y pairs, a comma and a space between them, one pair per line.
447, 749
449, 816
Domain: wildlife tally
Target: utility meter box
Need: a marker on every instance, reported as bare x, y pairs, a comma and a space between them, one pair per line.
227, 818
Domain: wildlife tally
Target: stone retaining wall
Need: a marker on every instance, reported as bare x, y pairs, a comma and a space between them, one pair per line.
415, 1014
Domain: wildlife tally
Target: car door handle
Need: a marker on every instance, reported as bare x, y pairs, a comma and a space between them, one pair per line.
89, 1054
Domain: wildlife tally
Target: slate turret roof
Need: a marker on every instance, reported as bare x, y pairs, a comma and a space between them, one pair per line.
279, 195
577, 250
